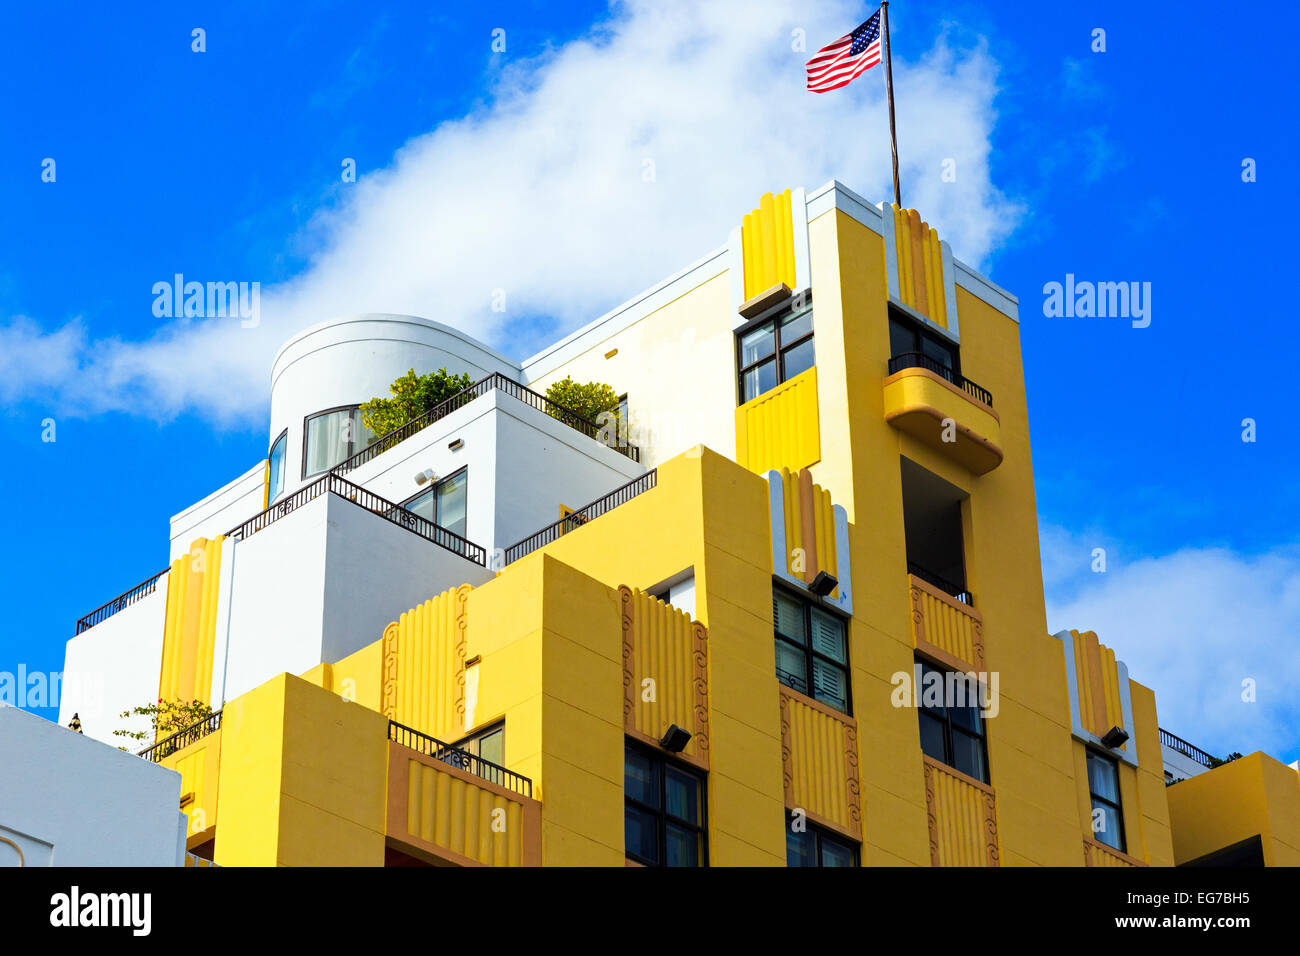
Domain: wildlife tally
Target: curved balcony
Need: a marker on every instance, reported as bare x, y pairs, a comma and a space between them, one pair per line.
943, 410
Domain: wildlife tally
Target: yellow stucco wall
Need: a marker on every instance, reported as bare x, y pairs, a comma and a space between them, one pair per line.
303, 777
1251, 796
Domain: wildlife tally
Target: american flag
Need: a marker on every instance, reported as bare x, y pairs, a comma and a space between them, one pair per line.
837, 65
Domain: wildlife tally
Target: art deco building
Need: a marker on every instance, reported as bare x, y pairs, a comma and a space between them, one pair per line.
728, 625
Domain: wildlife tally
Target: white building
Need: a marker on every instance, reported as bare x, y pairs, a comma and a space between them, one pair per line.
67, 800
332, 537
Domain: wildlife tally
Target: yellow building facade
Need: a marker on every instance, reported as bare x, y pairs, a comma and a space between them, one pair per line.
812, 633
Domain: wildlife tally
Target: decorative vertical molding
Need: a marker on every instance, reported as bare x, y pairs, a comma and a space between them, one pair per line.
918, 612
852, 785
700, 656
626, 603
1080, 730
893, 288
462, 599
991, 830
949, 289
389, 672
807, 523
799, 235
781, 546
931, 814
787, 753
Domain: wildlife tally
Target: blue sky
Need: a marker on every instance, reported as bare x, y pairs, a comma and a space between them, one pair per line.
224, 165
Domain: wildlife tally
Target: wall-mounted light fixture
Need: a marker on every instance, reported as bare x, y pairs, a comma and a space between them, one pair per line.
456, 443
426, 476
823, 584
675, 739
1115, 737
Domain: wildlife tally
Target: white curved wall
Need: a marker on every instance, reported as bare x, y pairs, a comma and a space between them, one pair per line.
352, 359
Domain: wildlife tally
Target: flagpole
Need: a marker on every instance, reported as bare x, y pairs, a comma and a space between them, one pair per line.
889, 89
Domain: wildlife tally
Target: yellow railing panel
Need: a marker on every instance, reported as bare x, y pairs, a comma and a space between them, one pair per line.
780, 428
820, 757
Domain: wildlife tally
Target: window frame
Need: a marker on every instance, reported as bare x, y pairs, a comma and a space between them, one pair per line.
808, 602
284, 466
352, 442
463, 470
920, 331
775, 317
661, 815
819, 834
950, 750
1094, 798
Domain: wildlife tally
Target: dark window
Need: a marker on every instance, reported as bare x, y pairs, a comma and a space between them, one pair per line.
774, 350
909, 337
489, 745
445, 503
811, 650
952, 730
816, 847
331, 437
275, 467
1103, 786
663, 813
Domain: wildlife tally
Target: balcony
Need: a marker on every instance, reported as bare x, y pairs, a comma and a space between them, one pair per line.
448, 806
581, 516
944, 627
464, 397
943, 410
963, 818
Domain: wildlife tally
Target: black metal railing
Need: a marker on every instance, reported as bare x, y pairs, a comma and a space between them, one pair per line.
119, 602
1174, 742
182, 738
921, 360
329, 482
464, 397
580, 517
942, 583
456, 757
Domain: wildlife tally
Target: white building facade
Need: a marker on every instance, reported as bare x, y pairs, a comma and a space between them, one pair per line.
340, 531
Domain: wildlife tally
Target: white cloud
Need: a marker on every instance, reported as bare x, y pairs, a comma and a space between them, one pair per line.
1193, 625
540, 192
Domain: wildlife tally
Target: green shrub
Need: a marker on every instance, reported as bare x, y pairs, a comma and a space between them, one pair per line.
412, 396
167, 717
588, 400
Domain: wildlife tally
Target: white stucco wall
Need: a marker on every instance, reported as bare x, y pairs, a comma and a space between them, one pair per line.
1179, 764
542, 464
318, 584
350, 360
114, 667
220, 511
521, 463
68, 800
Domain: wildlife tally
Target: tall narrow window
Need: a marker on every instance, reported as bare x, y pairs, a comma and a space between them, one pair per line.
331, 437
275, 467
1103, 787
445, 503
811, 652
952, 729
663, 814
774, 350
